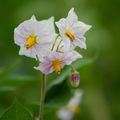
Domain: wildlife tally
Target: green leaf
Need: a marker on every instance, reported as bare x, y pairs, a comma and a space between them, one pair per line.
62, 96
16, 112
7, 89
49, 110
10, 68
16, 80
78, 64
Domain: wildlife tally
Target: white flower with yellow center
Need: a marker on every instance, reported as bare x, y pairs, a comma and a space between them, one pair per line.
72, 31
55, 61
72, 108
35, 37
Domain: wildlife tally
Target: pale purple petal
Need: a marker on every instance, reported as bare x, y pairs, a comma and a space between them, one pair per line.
46, 67
80, 42
71, 18
28, 52
57, 55
70, 57
80, 28
61, 24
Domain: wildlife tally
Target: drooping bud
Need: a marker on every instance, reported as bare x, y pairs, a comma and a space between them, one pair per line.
74, 79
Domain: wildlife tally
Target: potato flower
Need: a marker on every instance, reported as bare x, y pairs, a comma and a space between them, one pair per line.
55, 61
34, 37
72, 108
72, 31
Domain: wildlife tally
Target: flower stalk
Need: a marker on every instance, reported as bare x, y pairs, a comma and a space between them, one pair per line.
55, 42
42, 100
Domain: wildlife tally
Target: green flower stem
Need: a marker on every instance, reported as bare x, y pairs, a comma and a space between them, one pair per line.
55, 42
73, 68
59, 45
43, 90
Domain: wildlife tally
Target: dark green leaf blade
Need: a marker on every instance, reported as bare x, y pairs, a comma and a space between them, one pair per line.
16, 112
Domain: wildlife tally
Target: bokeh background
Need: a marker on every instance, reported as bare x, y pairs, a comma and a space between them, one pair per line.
100, 80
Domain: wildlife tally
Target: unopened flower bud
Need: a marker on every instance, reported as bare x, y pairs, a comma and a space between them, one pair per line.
74, 79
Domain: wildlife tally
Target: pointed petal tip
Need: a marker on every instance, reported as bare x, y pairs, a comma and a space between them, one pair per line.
36, 68
52, 18
72, 9
89, 26
33, 17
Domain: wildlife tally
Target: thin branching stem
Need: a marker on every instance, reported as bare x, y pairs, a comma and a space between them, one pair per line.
55, 42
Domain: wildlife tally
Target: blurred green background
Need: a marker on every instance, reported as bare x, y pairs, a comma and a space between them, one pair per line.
100, 80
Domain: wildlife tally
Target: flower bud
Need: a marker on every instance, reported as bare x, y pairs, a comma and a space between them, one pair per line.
74, 79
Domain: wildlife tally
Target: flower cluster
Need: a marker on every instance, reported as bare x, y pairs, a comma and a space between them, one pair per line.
39, 40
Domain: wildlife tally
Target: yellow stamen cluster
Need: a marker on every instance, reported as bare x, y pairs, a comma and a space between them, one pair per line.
30, 41
57, 65
70, 35
75, 109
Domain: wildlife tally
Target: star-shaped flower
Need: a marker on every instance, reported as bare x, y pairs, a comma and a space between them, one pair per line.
34, 37
56, 61
72, 31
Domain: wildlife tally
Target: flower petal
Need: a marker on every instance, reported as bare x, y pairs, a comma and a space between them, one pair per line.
81, 42
28, 52
72, 17
80, 28
69, 57
45, 67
